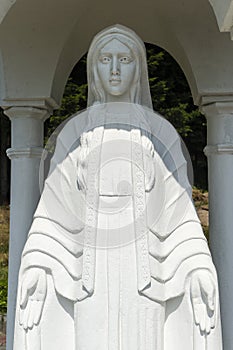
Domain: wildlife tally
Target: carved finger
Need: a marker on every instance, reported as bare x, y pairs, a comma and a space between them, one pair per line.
211, 306
26, 315
24, 296
196, 306
208, 325
211, 302
38, 311
196, 299
31, 315
209, 292
202, 317
195, 312
21, 315
214, 317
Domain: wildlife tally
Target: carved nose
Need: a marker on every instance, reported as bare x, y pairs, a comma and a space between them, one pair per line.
115, 72
115, 69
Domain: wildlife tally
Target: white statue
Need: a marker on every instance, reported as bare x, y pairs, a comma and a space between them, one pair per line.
116, 258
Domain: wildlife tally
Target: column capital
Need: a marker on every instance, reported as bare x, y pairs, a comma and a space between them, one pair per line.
28, 152
46, 103
226, 149
27, 124
219, 117
24, 112
218, 109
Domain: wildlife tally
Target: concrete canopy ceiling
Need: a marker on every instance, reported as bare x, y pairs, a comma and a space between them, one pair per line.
41, 41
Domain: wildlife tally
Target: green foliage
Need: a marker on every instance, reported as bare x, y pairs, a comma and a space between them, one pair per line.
171, 97
74, 99
3, 290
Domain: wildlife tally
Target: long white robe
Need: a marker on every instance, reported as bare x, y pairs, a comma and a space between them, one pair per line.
151, 304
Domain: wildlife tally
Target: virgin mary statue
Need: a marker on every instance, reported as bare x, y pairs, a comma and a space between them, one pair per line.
116, 258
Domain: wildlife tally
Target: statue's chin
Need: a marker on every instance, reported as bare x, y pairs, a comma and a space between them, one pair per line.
116, 90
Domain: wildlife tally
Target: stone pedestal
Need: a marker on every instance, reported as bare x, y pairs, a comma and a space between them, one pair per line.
219, 151
25, 153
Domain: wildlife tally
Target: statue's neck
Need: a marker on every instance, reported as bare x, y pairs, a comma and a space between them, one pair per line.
122, 98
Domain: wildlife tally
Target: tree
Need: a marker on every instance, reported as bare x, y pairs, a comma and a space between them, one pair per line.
172, 98
4, 161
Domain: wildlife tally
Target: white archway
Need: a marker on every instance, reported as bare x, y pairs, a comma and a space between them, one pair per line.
40, 42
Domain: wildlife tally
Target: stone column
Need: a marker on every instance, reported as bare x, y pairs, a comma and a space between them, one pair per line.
219, 151
26, 148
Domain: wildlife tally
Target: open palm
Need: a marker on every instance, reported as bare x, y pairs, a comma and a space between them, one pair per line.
33, 294
203, 298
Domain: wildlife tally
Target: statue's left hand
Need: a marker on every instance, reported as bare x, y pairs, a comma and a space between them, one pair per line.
203, 298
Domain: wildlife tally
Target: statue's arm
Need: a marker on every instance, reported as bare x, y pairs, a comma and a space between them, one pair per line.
32, 297
203, 299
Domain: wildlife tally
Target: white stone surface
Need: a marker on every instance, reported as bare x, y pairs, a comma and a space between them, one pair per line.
34, 71
122, 263
224, 14
25, 153
43, 66
220, 164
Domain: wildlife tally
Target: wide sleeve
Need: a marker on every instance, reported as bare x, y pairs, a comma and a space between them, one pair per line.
55, 240
176, 243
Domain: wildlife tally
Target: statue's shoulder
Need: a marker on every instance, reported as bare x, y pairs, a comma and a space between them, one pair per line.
160, 126
74, 125
79, 118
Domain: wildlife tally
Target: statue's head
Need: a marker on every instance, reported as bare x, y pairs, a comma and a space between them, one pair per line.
117, 69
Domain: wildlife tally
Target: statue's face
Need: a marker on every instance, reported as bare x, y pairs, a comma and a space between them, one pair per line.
116, 68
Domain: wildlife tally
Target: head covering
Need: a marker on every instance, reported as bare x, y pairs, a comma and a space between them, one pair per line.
131, 39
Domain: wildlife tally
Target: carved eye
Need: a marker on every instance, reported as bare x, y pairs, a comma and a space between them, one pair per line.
125, 59
105, 59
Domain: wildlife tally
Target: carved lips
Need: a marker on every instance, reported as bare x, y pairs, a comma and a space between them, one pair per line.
115, 81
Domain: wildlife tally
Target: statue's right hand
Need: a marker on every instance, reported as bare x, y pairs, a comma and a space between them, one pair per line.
33, 294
